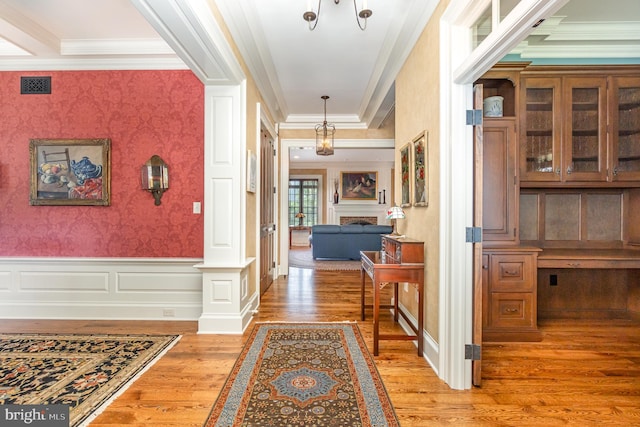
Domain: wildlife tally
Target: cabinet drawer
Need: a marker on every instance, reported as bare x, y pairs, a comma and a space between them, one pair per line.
513, 309
511, 273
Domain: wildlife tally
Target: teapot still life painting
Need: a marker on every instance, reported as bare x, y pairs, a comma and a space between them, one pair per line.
70, 172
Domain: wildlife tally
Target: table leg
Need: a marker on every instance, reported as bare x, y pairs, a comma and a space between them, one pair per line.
376, 313
420, 317
395, 302
362, 274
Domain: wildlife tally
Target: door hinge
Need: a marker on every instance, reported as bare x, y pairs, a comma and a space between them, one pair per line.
274, 152
274, 189
474, 235
472, 352
274, 227
474, 117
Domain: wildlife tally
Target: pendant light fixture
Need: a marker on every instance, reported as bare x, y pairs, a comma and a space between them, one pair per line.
324, 134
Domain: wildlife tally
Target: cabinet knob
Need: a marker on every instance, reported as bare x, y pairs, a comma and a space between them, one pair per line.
615, 171
557, 171
569, 170
485, 267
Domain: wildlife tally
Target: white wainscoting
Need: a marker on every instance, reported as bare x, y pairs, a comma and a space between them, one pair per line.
100, 288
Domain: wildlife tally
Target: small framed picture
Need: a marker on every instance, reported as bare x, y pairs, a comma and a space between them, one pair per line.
252, 171
70, 172
405, 175
420, 170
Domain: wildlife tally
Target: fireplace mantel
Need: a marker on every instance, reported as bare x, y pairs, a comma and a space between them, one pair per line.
358, 209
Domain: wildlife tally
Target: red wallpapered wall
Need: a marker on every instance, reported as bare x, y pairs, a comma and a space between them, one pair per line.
143, 113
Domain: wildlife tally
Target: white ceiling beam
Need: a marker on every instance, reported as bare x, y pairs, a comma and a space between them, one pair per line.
391, 60
190, 28
26, 34
250, 39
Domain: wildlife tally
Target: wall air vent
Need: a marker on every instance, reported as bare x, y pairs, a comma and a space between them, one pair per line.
40, 85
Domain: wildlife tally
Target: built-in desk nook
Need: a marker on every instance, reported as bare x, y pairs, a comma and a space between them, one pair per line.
589, 283
560, 196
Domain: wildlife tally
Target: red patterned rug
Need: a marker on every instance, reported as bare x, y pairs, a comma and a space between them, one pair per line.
84, 372
304, 374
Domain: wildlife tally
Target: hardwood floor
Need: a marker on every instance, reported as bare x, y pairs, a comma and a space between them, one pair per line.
582, 373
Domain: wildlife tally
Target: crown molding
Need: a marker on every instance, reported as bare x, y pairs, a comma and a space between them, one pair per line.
587, 50
118, 47
309, 121
67, 64
590, 31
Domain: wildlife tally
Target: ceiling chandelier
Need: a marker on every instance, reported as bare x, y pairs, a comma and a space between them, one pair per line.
312, 17
324, 134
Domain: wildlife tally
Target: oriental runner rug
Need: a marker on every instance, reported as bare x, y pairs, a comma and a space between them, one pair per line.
304, 374
85, 372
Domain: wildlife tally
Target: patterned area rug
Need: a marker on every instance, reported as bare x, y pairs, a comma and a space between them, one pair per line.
304, 374
301, 258
85, 372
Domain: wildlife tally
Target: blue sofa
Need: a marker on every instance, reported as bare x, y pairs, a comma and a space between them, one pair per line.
346, 241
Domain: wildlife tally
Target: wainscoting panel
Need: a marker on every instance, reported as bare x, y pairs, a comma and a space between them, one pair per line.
100, 288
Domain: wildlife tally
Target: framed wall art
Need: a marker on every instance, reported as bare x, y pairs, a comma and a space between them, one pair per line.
420, 171
359, 185
70, 172
405, 175
252, 171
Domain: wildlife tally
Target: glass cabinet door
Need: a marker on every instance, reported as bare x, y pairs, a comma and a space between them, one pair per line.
625, 128
540, 129
585, 138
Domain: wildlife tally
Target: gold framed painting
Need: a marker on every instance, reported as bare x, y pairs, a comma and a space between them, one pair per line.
359, 185
405, 175
420, 171
70, 172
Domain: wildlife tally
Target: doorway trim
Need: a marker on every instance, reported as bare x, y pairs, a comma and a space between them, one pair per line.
285, 146
460, 66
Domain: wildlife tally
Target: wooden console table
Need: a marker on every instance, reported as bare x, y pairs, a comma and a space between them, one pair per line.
401, 260
299, 228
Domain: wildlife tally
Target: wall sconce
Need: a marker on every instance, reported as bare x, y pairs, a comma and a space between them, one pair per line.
155, 177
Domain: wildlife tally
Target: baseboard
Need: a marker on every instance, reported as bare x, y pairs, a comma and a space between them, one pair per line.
100, 288
430, 348
220, 323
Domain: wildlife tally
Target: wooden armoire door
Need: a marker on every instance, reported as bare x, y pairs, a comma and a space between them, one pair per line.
267, 211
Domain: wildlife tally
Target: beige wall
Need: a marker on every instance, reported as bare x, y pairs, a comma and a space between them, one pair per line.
417, 110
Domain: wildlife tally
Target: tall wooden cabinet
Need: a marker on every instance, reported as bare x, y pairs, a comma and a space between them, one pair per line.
500, 190
624, 97
540, 117
579, 129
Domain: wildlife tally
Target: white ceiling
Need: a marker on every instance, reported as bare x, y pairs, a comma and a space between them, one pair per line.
292, 66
